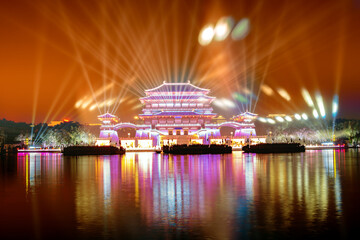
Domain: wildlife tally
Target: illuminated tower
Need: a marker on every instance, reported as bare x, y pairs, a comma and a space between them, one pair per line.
248, 126
177, 108
107, 129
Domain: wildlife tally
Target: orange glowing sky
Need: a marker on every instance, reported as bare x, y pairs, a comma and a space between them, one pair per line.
54, 53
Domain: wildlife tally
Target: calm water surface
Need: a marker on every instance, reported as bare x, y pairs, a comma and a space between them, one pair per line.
147, 195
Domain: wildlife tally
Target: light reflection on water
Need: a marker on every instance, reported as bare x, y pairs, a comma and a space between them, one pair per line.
217, 196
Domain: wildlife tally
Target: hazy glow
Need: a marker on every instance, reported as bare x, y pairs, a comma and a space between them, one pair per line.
78, 103
217, 103
284, 94
241, 30
307, 97
288, 118
320, 104
304, 116
279, 119
335, 105
206, 35
240, 98
228, 103
92, 107
297, 116
315, 113
85, 104
267, 90
223, 28
272, 121
261, 119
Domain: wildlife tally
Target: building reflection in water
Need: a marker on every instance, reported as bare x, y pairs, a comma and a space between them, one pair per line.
214, 194
38, 167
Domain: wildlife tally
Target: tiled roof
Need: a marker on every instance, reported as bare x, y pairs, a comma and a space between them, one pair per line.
179, 113
106, 115
176, 97
177, 87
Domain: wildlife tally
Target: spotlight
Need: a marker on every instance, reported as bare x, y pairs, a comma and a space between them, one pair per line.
297, 116
261, 119
206, 35
223, 28
240, 98
288, 118
304, 116
228, 103
241, 30
267, 90
279, 119
269, 120
92, 107
307, 97
335, 105
315, 113
284, 94
320, 104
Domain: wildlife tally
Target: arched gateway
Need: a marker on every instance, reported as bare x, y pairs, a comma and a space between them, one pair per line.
176, 113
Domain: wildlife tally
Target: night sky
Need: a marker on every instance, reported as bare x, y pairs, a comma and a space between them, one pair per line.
55, 54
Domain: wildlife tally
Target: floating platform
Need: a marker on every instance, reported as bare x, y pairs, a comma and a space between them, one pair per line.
39, 150
197, 149
274, 148
92, 150
321, 147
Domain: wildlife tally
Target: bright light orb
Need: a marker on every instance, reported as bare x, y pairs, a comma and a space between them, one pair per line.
206, 35
297, 116
272, 121
240, 98
279, 119
223, 28
241, 30
304, 116
261, 119
316, 114
320, 104
228, 103
267, 90
307, 97
92, 107
218, 103
78, 103
335, 106
288, 118
284, 94
85, 104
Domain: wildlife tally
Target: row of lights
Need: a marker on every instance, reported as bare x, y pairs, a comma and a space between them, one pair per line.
297, 116
222, 30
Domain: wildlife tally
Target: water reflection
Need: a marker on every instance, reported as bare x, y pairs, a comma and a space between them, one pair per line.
220, 196
34, 167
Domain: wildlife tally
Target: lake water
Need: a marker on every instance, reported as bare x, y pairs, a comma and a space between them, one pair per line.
154, 196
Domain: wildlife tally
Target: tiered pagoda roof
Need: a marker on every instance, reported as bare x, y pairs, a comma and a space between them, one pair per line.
176, 87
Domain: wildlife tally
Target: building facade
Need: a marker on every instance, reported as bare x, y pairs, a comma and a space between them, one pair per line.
176, 113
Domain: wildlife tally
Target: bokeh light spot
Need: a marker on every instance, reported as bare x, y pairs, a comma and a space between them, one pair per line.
241, 30
223, 28
206, 35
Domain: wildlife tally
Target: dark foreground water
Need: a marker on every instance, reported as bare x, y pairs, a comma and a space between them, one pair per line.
147, 195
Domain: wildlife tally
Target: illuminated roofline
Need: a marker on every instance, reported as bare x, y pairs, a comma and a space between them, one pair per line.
188, 83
